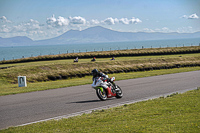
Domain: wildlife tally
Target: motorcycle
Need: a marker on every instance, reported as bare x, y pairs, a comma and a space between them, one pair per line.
105, 89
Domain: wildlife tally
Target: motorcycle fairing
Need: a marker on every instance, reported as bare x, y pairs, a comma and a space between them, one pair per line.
109, 92
101, 88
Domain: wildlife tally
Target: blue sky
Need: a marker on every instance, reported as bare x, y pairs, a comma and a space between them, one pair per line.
42, 19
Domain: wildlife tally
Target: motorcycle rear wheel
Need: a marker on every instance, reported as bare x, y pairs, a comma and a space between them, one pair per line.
119, 93
101, 95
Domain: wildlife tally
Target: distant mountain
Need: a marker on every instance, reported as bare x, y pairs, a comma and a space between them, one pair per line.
16, 41
96, 34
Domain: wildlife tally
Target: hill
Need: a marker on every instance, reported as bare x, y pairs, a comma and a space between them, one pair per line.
96, 34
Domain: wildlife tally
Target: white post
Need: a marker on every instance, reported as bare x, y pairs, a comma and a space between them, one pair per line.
22, 81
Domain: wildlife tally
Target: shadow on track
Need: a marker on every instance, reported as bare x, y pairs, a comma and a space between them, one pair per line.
89, 101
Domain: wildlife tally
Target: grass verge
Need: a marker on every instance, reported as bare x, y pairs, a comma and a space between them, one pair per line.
6, 88
176, 113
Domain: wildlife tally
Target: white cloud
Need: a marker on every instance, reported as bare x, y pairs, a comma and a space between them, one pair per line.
51, 20
60, 21
193, 16
31, 25
77, 20
184, 16
188, 29
5, 29
148, 30
109, 21
3, 19
163, 30
134, 20
124, 21
94, 22
112, 21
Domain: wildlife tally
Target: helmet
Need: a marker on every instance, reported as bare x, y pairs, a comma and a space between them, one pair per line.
94, 72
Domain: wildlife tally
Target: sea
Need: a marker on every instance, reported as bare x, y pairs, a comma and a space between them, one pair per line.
17, 52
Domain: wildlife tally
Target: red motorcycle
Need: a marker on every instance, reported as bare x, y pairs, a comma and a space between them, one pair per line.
105, 89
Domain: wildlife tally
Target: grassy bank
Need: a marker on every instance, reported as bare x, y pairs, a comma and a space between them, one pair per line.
7, 88
176, 113
66, 69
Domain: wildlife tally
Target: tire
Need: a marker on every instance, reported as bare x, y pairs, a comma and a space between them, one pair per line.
101, 95
119, 93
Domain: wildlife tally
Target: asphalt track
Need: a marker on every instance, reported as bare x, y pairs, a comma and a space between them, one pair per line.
37, 106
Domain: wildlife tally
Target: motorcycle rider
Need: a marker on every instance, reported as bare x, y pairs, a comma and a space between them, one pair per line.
96, 74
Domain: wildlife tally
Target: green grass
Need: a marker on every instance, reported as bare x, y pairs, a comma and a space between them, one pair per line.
70, 61
6, 88
176, 113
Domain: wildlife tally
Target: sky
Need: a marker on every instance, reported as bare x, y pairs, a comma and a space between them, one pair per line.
44, 19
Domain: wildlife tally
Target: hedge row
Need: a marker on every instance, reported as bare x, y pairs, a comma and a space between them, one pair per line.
122, 70
106, 54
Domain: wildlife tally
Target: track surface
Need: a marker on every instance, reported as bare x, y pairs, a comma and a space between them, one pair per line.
29, 107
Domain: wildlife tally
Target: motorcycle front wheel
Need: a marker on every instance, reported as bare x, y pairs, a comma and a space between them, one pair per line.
101, 95
119, 93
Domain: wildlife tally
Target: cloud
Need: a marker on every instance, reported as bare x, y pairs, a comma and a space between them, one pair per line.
163, 30
3, 19
94, 22
193, 16
124, 21
187, 29
77, 20
51, 20
5, 29
22, 27
111, 21
134, 20
55, 26
59, 22
31, 25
